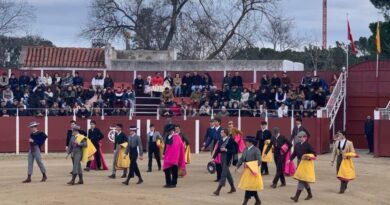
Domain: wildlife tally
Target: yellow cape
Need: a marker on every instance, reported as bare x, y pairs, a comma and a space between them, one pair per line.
88, 151
123, 160
251, 179
188, 155
160, 145
305, 171
347, 169
268, 157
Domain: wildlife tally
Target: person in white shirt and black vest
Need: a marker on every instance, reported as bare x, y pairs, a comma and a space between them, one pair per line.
261, 136
153, 149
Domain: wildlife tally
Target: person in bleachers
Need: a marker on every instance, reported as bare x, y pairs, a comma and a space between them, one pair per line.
108, 82
109, 97
168, 81
306, 81
24, 80
244, 96
282, 111
223, 113
77, 80
205, 109
291, 99
46, 80
186, 85
177, 83
309, 99
67, 80
8, 95
208, 82
4, 81
280, 97
333, 82
148, 86
157, 84
33, 81
286, 81
98, 81
227, 80
195, 97
139, 85
271, 99
235, 95
320, 97
56, 79
265, 81
275, 81
175, 109
197, 82
236, 81
13, 81
167, 95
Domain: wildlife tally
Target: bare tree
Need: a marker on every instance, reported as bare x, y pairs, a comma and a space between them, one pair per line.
15, 15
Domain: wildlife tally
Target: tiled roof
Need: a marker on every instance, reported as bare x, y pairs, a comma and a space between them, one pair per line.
63, 57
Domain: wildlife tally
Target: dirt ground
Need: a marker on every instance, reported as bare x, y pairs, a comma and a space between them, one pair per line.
370, 187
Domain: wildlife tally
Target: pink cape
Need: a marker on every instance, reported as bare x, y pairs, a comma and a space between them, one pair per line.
289, 167
174, 154
103, 162
217, 159
240, 142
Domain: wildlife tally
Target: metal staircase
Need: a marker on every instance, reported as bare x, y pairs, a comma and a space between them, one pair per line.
335, 100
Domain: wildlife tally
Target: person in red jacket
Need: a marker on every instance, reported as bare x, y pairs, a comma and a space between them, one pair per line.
157, 80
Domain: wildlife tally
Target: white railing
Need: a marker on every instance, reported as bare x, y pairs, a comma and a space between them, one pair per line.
382, 113
335, 100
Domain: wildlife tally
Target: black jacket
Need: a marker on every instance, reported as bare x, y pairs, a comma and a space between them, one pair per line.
261, 137
231, 149
95, 135
278, 143
119, 139
69, 136
369, 128
296, 130
301, 149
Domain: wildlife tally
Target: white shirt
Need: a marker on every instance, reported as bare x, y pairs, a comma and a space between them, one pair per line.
342, 143
224, 139
170, 136
250, 147
216, 128
282, 112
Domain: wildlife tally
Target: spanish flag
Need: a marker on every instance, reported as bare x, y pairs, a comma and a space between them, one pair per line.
378, 39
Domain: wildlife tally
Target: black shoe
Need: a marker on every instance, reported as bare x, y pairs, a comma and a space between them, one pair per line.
159, 169
232, 190
149, 170
167, 186
140, 181
124, 176
273, 186
282, 185
112, 176
309, 195
125, 182
172, 186
217, 180
87, 169
296, 197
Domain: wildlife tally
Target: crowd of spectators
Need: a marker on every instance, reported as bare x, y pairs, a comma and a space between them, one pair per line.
64, 95
276, 95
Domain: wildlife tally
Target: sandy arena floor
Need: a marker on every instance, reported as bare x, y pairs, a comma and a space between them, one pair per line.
370, 187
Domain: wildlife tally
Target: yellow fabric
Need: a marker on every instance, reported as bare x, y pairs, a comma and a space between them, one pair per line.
251, 179
123, 161
268, 157
88, 151
378, 39
188, 155
160, 145
305, 171
347, 169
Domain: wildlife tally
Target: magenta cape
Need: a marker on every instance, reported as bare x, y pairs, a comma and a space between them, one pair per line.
174, 154
240, 142
103, 162
289, 167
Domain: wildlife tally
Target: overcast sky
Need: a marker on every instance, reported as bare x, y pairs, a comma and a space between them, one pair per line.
61, 20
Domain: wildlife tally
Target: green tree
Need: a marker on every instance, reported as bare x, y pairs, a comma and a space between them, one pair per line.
384, 6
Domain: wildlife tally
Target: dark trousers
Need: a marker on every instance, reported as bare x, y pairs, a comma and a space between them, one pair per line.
153, 150
370, 142
133, 169
96, 157
279, 162
264, 168
219, 170
343, 184
171, 175
250, 194
225, 174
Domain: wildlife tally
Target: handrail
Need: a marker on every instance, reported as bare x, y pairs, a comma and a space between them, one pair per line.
382, 113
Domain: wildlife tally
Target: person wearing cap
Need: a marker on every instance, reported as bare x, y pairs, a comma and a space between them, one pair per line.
153, 137
174, 160
263, 138
120, 138
75, 148
225, 150
37, 139
305, 171
95, 135
281, 147
251, 180
298, 128
133, 147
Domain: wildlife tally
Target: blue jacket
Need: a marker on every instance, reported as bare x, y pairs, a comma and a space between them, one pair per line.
216, 136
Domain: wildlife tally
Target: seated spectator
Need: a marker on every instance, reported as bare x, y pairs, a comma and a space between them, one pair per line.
168, 81
67, 80
108, 82
96, 111
309, 99
4, 113
23, 112
24, 80
129, 98
54, 110
186, 85
193, 113
175, 109
227, 80
83, 113
8, 95
300, 97
119, 98
208, 82
197, 82
320, 97
18, 94
236, 80
265, 82
33, 81
235, 95
177, 83
286, 81
275, 81
291, 99
70, 96
195, 97
97, 81
157, 84
234, 111
47, 80
262, 96
283, 111
280, 97
205, 109
164, 110
271, 99
56, 79
306, 81
77, 80
109, 97
13, 81
4, 81
139, 86
315, 83
244, 96
245, 112
148, 86
167, 95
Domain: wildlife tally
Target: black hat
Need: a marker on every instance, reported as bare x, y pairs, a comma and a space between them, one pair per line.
250, 139
171, 127
133, 128
211, 167
119, 125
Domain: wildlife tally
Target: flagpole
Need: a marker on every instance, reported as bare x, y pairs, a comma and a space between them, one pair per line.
377, 64
345, 92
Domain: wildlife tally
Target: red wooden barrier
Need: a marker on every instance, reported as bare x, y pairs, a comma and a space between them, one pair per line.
381, 138
8, 139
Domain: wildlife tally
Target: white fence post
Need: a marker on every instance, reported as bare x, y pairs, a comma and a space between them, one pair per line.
197, 136
139, 127
147, 126
239, 120
46, 132
17, 131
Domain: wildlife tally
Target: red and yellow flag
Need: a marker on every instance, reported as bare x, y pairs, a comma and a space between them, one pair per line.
378, 39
